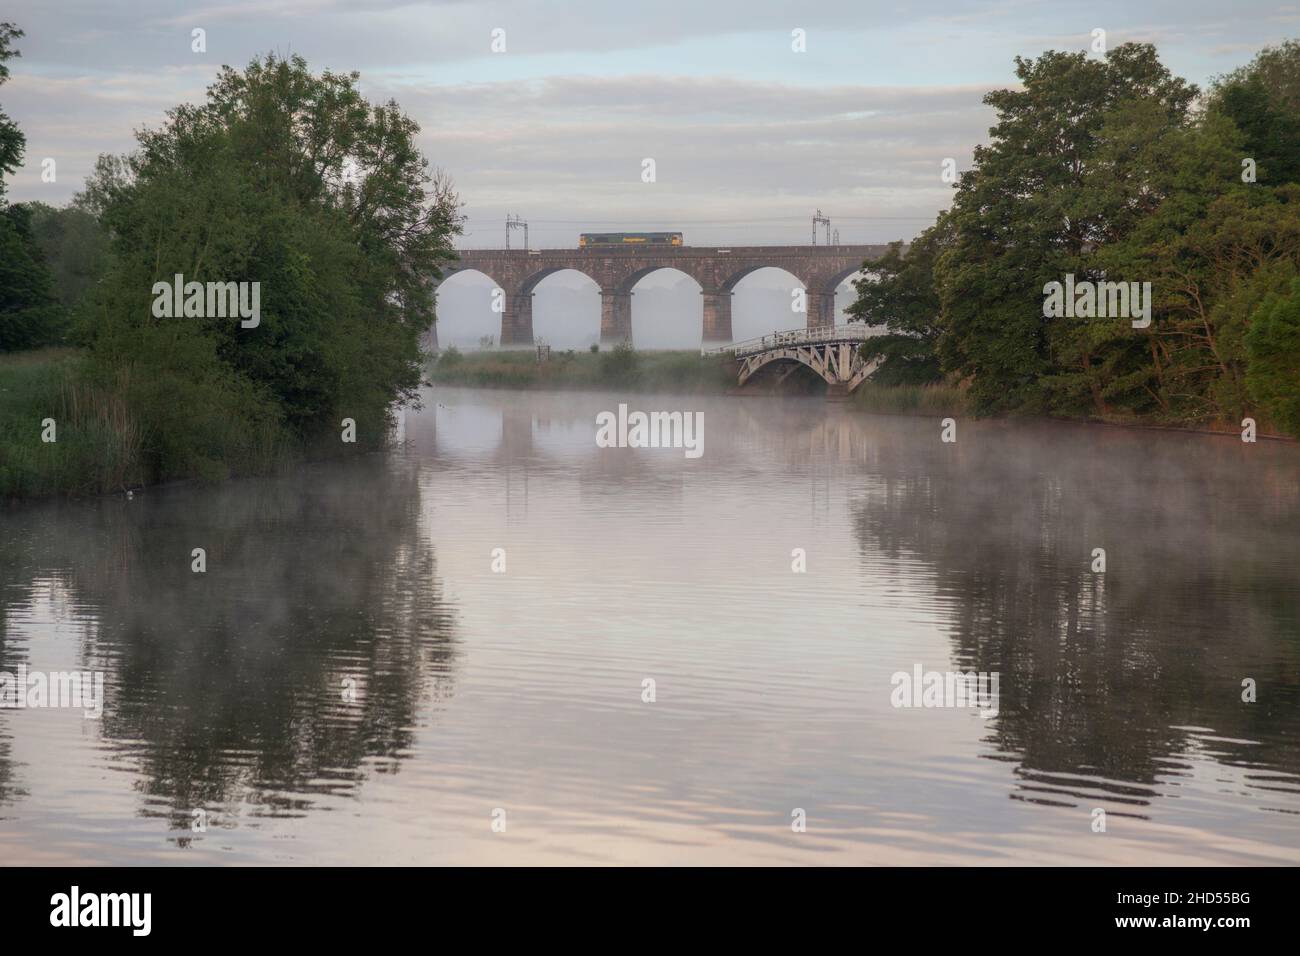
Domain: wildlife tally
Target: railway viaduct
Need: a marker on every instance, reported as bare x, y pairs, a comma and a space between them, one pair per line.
516, 273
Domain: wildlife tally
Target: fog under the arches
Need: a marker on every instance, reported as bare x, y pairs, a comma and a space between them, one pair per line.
667, 309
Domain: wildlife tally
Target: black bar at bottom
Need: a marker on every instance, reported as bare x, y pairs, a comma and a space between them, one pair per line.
336, 906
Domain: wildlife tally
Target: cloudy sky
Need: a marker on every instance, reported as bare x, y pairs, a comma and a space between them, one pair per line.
748, 136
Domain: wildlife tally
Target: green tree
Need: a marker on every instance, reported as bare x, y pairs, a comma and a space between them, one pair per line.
1272, 135
1069, 170
1213, 274
1100, 169
1165, 369
30, 314
1263, 100
12, 142
900, 294
293, 181
75, 247
1273, 347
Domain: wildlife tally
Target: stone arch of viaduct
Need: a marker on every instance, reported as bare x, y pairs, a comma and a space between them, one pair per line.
516, 272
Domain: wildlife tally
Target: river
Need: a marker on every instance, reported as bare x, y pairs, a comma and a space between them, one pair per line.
443, 654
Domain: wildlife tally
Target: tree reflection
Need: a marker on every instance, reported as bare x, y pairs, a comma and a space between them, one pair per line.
305, 657
1109, 681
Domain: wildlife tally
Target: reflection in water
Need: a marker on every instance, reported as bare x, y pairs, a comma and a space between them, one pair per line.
1114, 684
229, 691
298, 663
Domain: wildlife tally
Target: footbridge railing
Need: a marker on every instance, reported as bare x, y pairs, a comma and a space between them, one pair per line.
822, 335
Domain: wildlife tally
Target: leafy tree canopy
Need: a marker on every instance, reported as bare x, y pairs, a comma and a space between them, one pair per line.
293, 181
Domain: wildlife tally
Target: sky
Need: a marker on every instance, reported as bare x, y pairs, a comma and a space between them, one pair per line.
749, 135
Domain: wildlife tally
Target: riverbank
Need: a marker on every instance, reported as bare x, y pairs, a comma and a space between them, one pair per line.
677, 372
689, 373
65, 431
98, 446
614, 368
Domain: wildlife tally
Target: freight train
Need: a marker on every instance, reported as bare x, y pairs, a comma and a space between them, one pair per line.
587, 239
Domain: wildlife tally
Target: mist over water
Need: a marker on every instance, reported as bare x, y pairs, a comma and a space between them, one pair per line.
522, 690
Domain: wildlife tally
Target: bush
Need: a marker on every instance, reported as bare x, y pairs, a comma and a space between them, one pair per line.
620, 366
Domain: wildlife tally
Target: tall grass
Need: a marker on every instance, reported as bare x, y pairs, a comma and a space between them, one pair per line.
97, 446
939, 399
616, 368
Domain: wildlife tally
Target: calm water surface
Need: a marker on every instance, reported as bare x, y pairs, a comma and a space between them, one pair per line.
522, 690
